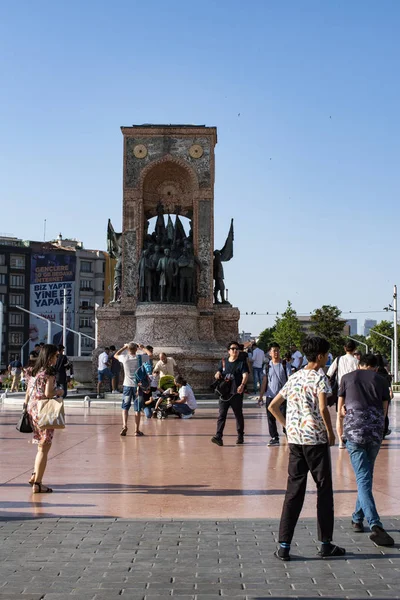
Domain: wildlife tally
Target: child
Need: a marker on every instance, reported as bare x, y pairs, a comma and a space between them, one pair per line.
310, 435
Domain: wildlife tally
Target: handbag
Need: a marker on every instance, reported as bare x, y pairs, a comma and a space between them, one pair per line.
24, 423
224, 388
51, 413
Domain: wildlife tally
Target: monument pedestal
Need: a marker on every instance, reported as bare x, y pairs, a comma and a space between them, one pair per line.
196, 339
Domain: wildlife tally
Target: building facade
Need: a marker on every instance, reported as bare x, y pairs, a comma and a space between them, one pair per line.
368, 325
352, 323
14, 291
34, 275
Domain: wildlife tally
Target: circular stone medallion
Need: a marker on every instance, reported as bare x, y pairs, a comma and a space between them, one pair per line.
140, 151
196, 151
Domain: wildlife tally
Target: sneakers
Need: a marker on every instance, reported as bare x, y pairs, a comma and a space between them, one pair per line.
380, 537
216, 440
282, 553
329, 550
115, 392
357, 527
273, 442
186, 416
239, 440
98, 396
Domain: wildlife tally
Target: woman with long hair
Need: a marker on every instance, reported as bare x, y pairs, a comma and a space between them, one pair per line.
42, 384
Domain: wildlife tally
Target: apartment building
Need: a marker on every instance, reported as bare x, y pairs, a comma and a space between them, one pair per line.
14, 291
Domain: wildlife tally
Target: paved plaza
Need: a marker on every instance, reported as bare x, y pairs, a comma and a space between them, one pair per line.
171, 514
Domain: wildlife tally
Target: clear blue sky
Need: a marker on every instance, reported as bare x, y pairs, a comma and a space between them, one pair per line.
309, 170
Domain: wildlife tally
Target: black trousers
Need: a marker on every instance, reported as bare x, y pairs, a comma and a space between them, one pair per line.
273, 431
317, 460
236, 403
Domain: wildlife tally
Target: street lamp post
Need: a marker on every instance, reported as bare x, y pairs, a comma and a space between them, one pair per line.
358, 342
392, 348
395, 350
395, 360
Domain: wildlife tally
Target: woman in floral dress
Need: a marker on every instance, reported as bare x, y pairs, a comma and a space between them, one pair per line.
41, 385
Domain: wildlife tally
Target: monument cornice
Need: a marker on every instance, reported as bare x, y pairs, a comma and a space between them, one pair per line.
155, 131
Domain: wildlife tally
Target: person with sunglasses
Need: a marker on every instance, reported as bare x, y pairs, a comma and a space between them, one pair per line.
236, 370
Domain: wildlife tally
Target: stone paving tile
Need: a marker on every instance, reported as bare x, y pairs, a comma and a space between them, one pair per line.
103, 559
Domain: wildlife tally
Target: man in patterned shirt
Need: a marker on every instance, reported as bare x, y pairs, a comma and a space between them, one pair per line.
363, 400
310, 435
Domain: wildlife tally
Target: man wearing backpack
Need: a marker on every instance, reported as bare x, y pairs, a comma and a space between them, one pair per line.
276, 375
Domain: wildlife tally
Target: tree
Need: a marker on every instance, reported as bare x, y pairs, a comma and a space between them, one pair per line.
378, 343
288, 329
266, 338
327, 323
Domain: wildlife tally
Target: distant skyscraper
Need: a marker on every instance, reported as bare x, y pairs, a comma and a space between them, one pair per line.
353, 326
368, 325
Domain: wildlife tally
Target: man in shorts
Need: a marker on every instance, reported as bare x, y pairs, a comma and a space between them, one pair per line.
130, 361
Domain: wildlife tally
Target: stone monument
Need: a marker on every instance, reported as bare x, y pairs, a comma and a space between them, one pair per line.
164, 293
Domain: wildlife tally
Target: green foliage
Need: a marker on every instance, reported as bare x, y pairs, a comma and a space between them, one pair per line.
380, 344
327, 323
266, 338
288, 329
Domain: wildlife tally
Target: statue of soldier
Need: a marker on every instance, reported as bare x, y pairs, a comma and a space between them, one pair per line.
145, 276
168, 269
114, 248
155, 259
221, 256
187, 271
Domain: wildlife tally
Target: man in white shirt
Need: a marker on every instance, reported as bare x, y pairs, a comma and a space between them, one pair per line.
185, 406
297, 357
347, 363
103, 369
131, 362
166, 366
258, 359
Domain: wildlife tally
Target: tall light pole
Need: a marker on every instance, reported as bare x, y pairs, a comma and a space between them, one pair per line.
395, 365
395, 352
392, 348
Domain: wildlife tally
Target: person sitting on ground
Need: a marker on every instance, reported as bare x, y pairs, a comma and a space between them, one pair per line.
184, 403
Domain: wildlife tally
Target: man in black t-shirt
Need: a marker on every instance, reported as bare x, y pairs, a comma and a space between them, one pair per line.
362, 406
236, 371
61, 367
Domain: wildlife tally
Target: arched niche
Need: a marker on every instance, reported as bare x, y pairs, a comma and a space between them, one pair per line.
170, 182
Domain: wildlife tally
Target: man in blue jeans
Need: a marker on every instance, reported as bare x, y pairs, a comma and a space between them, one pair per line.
362, 406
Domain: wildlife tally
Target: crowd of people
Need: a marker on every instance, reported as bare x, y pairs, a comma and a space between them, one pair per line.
297, 392
155, 388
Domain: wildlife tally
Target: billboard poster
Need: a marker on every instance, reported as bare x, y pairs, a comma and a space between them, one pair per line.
51, 273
